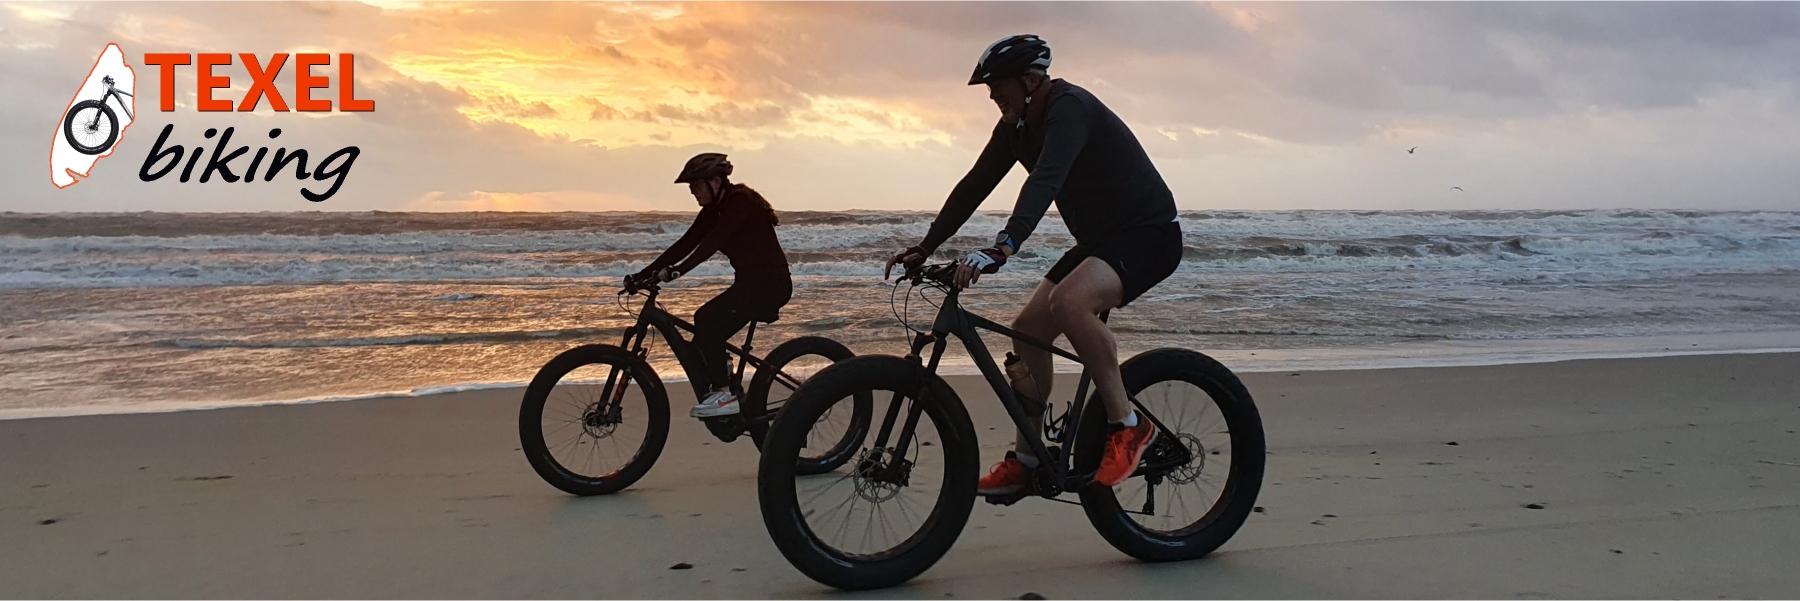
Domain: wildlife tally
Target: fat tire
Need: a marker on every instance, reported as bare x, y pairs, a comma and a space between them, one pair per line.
1242, 483
755, 402
776, 474
531, 412
105, 111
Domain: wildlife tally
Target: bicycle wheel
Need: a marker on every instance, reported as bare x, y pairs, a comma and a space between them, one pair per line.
91, 127
594, 420
839, 431
893, 511
1193, 506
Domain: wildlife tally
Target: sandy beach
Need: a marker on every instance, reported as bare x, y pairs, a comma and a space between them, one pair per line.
1656, 477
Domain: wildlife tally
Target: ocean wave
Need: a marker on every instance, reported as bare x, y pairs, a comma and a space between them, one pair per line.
107, 250
403, 340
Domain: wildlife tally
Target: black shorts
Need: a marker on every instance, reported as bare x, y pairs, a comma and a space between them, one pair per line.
1142, 256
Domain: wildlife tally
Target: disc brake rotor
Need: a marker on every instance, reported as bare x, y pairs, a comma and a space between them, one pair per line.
599, 421
1197, 464
879, 475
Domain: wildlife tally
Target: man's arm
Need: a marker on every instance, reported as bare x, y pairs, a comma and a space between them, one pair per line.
996, 159
1065, 134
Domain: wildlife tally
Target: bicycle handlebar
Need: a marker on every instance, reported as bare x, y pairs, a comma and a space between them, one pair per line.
629, 288
941, 274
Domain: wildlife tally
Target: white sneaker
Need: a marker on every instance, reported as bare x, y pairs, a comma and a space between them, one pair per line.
720, 402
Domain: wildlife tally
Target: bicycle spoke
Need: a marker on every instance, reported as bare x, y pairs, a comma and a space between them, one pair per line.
864, 509
579, 434
1187, 492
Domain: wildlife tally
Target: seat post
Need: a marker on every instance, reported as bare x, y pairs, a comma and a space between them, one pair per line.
744, 360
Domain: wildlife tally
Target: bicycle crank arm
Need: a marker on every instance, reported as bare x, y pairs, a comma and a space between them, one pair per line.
1162, 457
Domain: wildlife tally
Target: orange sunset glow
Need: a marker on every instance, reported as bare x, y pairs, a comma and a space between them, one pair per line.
592, 106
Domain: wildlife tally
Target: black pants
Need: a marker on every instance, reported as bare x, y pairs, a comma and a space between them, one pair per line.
752, 296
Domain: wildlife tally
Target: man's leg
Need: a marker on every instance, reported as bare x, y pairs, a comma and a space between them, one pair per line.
1036, 321
1075, 305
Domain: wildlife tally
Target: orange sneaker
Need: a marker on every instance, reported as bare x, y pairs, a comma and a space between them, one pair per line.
1007, 477
1124, 448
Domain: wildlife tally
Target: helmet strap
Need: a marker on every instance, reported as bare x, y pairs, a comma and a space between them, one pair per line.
1026, 114
1030, 93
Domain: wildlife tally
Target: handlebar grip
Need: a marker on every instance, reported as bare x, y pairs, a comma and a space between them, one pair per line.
942, 273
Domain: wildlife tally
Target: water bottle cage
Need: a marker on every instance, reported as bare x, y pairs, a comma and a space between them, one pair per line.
1054, 425
1015, 373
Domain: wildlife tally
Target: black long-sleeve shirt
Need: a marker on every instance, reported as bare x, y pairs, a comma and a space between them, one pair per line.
736, 225
1083, 157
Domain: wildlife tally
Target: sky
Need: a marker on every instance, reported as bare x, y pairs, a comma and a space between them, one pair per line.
835, 106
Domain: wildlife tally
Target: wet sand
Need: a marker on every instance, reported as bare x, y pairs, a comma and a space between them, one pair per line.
1657, 477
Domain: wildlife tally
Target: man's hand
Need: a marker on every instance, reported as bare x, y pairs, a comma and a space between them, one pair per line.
910, 258
987, 260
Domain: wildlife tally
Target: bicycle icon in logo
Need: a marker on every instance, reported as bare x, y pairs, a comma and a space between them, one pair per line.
91, 126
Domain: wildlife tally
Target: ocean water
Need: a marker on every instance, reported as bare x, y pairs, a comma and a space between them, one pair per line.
156, 311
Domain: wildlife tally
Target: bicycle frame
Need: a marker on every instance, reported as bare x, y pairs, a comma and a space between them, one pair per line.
953, 320
687, 354
113, 93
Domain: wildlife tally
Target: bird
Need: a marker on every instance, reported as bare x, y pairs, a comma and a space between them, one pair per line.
1410, 150
1456, 188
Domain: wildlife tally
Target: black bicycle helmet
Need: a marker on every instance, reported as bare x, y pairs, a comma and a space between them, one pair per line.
704, 166
1011, 57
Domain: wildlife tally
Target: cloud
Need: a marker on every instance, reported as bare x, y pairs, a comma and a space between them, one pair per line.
863, 105
508, 107
560, 200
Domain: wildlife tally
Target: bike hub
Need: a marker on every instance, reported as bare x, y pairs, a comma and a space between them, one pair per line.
880, 475
1196, 463
599, 421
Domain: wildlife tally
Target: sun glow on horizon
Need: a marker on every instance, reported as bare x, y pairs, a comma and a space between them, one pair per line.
616, 75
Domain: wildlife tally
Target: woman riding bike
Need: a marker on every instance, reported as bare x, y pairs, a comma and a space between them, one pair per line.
737, 221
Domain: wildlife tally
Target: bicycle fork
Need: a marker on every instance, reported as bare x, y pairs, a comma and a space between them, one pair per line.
613, 394
889, 464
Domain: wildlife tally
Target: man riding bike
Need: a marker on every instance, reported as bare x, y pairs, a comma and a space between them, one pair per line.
1116, 206
737, 221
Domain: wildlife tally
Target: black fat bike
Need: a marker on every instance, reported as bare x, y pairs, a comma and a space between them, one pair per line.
595, 417
896, 508
91, 126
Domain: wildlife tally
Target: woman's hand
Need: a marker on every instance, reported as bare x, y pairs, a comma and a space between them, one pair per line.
642, 279
636, 281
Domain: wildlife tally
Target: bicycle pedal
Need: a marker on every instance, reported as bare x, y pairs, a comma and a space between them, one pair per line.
726, 428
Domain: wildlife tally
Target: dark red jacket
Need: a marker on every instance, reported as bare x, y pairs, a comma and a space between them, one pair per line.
737, 225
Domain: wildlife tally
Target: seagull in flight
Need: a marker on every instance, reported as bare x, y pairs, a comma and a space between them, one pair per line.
1456, 188
1410, 150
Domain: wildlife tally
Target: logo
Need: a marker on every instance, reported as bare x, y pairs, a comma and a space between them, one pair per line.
95, 119
335, 166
